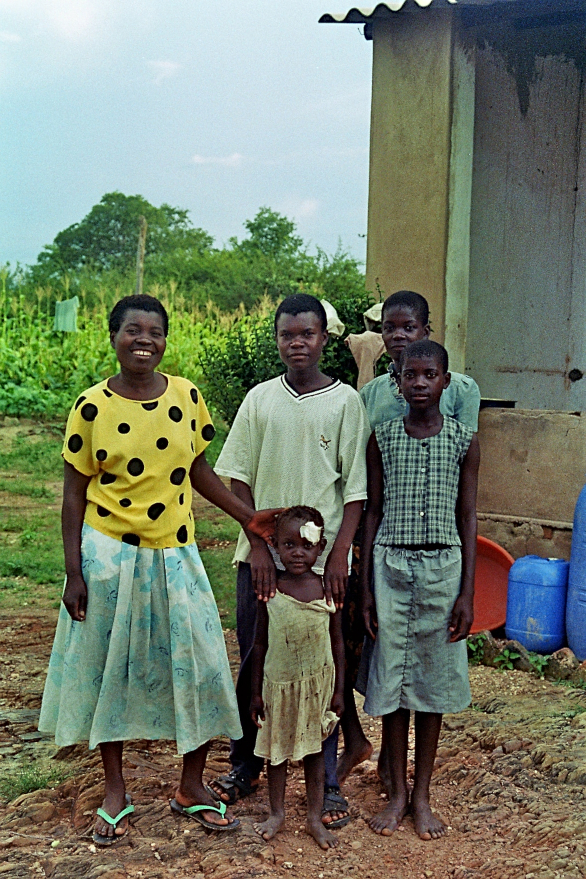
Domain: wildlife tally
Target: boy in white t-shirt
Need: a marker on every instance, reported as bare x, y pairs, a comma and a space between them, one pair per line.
296, 439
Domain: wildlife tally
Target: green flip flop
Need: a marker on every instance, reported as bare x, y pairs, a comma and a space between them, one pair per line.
194, 812
99, 839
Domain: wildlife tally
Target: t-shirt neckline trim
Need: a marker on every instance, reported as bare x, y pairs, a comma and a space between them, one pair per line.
293, 393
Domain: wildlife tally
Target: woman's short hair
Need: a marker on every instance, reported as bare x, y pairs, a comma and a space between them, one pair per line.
140, 302
425, 348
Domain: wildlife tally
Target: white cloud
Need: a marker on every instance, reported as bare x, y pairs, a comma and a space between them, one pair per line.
6, 37
233, 161
300, 208
163, 69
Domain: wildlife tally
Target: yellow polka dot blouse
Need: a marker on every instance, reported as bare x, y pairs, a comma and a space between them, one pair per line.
139, 455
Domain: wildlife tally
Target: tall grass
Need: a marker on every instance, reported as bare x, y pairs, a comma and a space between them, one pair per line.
42, 371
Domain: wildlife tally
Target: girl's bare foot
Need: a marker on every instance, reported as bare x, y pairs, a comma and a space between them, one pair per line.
387, 821
324, 838
269, 828
349, 760
427, 825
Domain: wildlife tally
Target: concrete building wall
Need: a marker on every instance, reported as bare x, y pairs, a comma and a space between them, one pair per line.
533, 467
409, 157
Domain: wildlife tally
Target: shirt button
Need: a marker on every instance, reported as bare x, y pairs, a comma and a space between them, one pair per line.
423, 469
422, 513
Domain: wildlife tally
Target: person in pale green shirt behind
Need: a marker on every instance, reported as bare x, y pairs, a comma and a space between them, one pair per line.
405, 319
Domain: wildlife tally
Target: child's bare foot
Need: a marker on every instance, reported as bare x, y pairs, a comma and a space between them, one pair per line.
427, 825
387, 821
323, 837
350, 759
269, 828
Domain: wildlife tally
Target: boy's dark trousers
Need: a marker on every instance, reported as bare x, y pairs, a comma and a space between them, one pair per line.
242, 755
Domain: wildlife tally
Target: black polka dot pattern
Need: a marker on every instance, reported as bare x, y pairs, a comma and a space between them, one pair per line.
175, 414
125, 502
101, 454
103, 512
107, 393
79, 402
193, 425
135, 466
155, 510
194, 397
162, 443
124, 427
181, 498
89, 412
107, 478
208, 432
182, 534
132, 539
178, 475
150, 406
74, 443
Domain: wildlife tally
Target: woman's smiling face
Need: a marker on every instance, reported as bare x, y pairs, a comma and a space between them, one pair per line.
140, 342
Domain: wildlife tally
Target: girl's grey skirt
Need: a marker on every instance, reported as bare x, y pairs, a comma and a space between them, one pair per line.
412, 663
149, 661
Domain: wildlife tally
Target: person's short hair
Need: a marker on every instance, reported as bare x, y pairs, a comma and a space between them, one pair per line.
140, 302
408, 299
299, 303
425, 348
299, 514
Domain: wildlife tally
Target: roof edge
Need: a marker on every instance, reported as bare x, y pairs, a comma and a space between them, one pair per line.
361, 15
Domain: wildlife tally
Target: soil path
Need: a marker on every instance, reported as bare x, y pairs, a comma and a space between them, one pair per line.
510, 781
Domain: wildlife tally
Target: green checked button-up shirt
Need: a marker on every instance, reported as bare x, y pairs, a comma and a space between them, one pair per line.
421, 479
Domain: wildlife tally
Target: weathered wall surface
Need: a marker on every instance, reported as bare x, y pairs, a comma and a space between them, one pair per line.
533, 466
409, 158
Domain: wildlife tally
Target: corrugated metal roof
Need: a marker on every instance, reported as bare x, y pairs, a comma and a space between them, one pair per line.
363, 14
358, 15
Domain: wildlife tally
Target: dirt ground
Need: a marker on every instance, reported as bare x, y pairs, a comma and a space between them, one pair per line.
510, 781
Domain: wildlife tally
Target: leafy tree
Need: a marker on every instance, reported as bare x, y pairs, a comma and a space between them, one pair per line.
106, 238
271, 234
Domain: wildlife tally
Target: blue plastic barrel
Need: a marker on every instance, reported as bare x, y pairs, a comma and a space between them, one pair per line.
576, 604
536, 603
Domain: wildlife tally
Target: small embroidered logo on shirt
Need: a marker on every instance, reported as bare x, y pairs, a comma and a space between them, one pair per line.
324, 443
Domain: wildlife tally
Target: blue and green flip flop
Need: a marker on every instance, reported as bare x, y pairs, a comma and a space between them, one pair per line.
195, 813
99, 839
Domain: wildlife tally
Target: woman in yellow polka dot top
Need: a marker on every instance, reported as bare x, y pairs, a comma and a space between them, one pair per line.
139, 651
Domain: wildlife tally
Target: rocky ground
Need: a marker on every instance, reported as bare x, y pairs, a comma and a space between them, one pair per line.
510, 781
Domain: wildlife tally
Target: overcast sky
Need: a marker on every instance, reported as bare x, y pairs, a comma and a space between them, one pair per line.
220, 107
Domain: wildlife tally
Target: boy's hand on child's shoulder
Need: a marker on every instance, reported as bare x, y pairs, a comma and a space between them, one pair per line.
263, 571
462, 618
369, 613
257, 710
338, 704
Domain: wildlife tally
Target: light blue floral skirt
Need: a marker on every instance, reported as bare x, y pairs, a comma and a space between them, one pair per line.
149, 661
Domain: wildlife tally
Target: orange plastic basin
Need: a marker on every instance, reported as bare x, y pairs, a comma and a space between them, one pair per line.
490, 585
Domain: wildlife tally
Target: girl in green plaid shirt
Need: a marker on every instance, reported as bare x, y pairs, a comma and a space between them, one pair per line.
419, 551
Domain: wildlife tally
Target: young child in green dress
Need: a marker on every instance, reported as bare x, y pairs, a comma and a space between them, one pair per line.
419, 550
297, 672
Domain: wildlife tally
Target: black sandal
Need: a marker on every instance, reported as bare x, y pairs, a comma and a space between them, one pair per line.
235, 785
335, 802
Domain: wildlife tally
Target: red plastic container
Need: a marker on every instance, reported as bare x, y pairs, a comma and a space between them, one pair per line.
490, 585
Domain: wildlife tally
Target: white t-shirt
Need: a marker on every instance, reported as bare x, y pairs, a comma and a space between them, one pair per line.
299, 449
